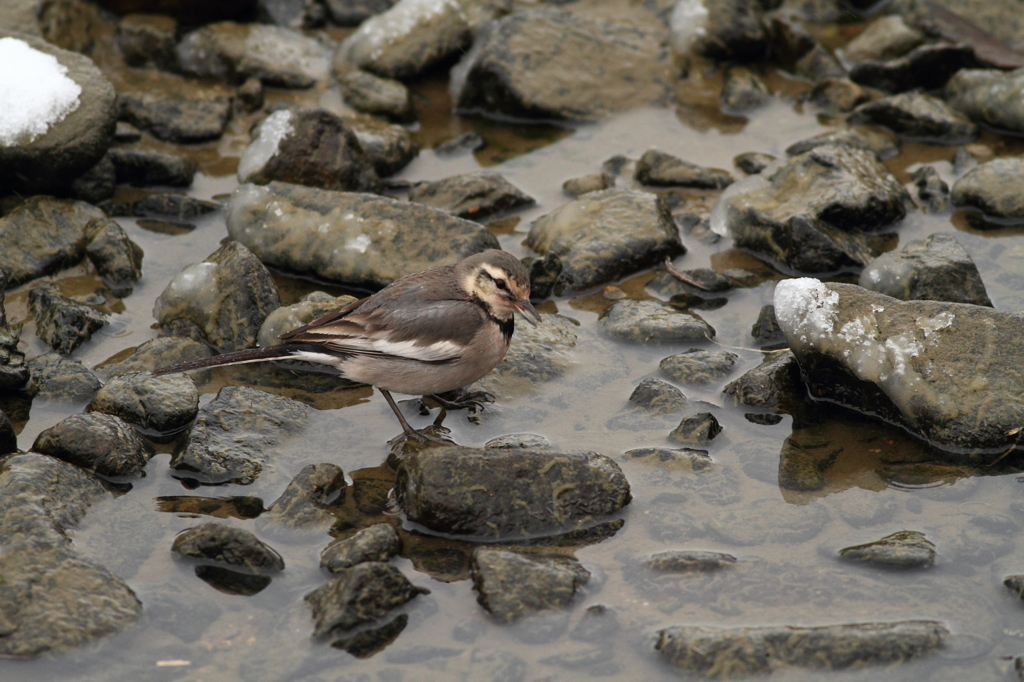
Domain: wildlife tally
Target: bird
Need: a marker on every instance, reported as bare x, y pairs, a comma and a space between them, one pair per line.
426, 333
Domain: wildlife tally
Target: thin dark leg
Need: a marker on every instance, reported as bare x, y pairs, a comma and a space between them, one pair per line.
409, 431
463, 399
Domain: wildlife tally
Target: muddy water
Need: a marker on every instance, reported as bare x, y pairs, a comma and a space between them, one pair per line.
785, 540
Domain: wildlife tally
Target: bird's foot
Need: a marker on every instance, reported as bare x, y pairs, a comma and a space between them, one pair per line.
430, 436
463, 399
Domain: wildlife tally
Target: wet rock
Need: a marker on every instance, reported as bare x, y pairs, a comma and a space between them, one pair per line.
704, 651
658, 396
355, 12
302, 505
1015, 583
819, 65
117, 259
508, 493
743, 90
147, 167
527, 441
310, 147
733, 30
235, 434
664, 170
671, 459
360, 594
58, 378
155, 353
389, 146
177, 207
250, 95
766, 329
914, 363
203, 301
688, 561
599, 67
699, 367
96, 184
753, 163
378, 96
462, 144
698, 281
63, 323
372, 252
379, 542
882, 143
148, 40
42, 235
651, 321
927, 67
295, 14
473, 196
933, 269
413, 35
919, 116
544, 273
596, 182
95, 442
51, 146
887, 37
602, 236
289, 317
996, 188
512, 585
126, 133
838, 95
156, 406
276, 55
774, 384
932, 190
13, 370
989, 97
814, 212
905, 549
768, 520
173, 108
697, 429
235, 547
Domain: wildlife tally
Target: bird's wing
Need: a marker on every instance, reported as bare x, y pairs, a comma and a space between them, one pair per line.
403, 326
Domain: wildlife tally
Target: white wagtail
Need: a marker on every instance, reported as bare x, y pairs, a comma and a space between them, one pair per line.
427, 333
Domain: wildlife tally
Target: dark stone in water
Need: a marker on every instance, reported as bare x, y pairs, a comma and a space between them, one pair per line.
227, 546
360, 594
158, 406
473, 196
63, 323
512, 585
379, 542
95, 442
905, 549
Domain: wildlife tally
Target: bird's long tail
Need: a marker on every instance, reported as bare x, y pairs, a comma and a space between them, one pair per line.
238, 357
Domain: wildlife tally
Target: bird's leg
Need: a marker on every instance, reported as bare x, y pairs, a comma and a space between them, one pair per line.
463, 399
410, 432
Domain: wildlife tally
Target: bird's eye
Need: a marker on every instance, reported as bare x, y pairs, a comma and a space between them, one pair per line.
500, 283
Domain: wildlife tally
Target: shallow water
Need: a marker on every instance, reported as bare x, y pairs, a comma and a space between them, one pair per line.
785, 540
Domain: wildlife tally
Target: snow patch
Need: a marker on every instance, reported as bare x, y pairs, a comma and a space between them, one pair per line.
267, 144
35, 92
688, 23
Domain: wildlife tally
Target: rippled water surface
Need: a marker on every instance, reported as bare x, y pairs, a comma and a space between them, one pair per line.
786, 541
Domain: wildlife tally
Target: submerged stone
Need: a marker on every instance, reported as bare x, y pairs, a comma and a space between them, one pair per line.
511, 585
302, 505
905, 549
604, 235
926, 365
473, 196
95, 442
508, 493
537, 354
744, 652
698, 367
688, 561
227, 545
157, 406
647, 321
379, 542
919, 116
360, 594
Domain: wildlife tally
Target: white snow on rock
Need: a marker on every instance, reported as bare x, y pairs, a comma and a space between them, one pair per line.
381, 30
688, 23
35, 92
275, 128
809, 316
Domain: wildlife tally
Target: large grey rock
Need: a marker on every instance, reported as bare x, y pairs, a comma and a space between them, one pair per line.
508, 493
512, 585
308, 147
276, 55
46, 160
42, 235
235, 434
915, 363
917, 115
546, 63
814, 212
996, 188
95, 442
204, 301
704, 651
358, 239
413, 35
601, 236
173, 108
932, 269
990, 97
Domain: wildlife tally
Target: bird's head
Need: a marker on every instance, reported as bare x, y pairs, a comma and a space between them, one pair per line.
500, 281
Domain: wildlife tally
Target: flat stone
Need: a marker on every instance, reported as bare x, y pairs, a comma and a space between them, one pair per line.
362, 244
360, 594
887, 37
919, 116
303, 504
147, 167
688, 561
95, 442
537, 354
664, 170
173, 108
155, 353
63, 323
379, 542
227, 545
699, 367
768, 520
596, 182
928, 67
512, 585
651, 321
473, 196
602, 236
996, 188
934, 269
155, 405
905, 549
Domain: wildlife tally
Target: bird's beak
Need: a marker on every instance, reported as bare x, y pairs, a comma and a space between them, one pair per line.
529, 313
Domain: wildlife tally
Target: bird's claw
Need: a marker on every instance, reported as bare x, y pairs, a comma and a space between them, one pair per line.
472, 400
